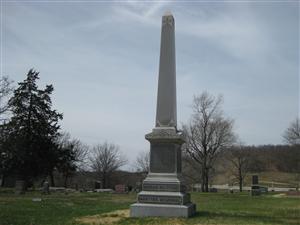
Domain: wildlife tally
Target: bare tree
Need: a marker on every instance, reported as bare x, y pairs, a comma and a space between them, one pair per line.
142, 163
292, 133
191, 170
207, 133
239, 159
5, 90
74, 157
80, 150
106, 158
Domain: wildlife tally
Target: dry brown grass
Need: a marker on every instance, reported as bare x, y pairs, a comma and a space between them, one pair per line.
171, 222
105, 218
115, 216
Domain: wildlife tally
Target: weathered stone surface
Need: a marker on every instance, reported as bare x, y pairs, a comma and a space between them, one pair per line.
176, 200
165, 157
161, 186
165, 134
166, 96
162, 158
172, 198
148, 210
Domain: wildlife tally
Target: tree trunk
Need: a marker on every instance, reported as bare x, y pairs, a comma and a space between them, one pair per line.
52, 184
206, 180
203, 179
240, 180
66, 180
2, 180
104, 180
241, 184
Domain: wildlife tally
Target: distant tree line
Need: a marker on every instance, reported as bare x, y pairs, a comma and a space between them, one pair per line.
33, 146
283, 158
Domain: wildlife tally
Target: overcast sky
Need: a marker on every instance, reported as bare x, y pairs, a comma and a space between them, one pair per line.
103, 57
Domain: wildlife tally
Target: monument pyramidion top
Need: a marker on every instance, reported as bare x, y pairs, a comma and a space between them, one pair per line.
168, 13
168, 19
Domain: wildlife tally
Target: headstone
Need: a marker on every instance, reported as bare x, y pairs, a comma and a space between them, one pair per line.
97, 184
214, 190
120, 188
263, 190
163, 191
107, 190
20, 187
46, 188
255, 188
254, 180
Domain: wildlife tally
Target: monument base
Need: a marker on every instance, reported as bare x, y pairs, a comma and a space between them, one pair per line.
160, 210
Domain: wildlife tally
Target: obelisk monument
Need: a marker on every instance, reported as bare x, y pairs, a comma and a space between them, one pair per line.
163, 191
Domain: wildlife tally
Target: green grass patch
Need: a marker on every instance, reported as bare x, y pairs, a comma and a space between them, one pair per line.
212, 208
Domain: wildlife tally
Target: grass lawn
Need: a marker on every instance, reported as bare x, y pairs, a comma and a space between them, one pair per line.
92, 208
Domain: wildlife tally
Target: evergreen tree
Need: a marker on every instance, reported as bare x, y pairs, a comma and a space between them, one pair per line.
32, 130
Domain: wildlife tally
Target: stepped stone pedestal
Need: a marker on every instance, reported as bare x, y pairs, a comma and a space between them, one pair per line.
163, 191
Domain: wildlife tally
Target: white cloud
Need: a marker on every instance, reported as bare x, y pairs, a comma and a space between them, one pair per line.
140, 12
103, 62
239, 34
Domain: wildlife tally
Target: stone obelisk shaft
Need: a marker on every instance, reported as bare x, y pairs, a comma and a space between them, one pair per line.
166, 95
163, 191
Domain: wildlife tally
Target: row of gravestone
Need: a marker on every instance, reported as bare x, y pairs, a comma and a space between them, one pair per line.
19, 188
256, 189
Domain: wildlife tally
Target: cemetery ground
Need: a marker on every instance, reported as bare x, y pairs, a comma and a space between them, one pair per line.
105, 208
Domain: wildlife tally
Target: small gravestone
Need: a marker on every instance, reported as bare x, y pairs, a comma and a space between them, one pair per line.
255, 188
263, 190
46, 188
20, 187
254, 180
97, 184
214, 190
120, 188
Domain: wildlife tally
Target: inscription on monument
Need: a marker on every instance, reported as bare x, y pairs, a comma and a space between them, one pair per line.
162, 158
160, 199
161, 187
